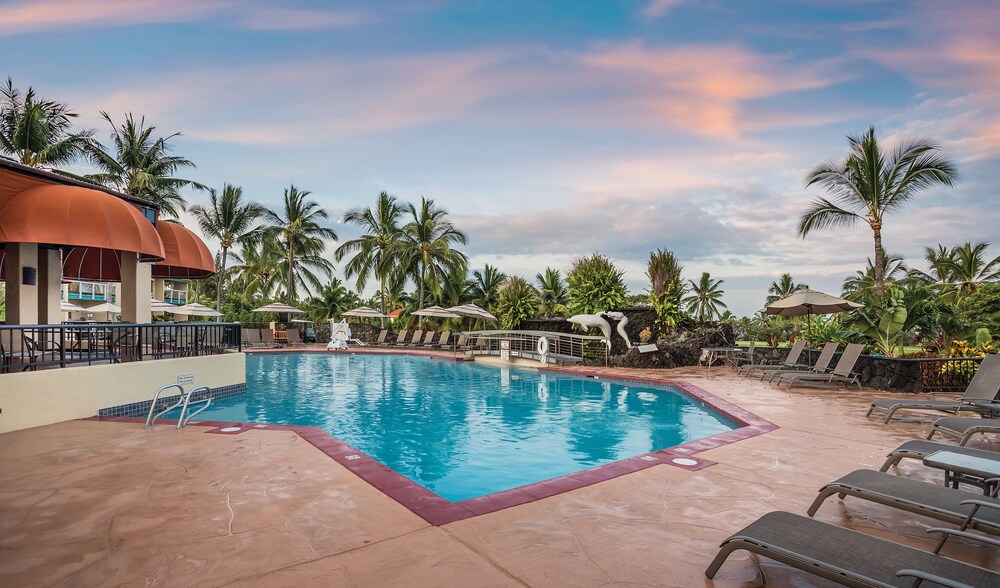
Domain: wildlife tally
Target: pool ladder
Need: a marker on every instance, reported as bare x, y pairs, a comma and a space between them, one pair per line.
183, 401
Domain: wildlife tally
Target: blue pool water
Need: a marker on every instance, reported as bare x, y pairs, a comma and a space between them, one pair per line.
464, 429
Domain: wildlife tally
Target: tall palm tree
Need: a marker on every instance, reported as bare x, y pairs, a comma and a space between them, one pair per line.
141, 165
870, 183
485, 286
301, 238
861, 285
783, 288
257, 274
970, 267
331, 300
36, 131
230, 220
553, 297
940, 269
373, 251
705, 301
427, 249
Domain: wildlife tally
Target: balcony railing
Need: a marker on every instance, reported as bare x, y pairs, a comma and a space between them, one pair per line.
29, 347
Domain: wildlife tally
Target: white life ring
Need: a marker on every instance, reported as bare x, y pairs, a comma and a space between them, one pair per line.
543, 346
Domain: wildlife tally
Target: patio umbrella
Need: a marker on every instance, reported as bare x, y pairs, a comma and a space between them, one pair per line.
160, 306
436, 312
363, 312
472, 312
808, 303
105, 307
195, 309
278, 307
70, 307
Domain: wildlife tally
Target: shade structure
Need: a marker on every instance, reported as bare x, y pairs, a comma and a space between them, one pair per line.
185, 255
436, 312
161, 306
195, 309
70, 307
363, 312
92, 264
472, 311
278, 307
58, 215
105, 307
808, 303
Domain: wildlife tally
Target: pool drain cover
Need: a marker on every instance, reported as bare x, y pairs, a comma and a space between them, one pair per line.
352, 457
685, 461
230, 430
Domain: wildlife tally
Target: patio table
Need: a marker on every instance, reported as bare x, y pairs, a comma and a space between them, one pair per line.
710, 354
966, 469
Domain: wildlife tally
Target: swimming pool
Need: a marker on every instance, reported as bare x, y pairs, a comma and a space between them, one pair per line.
464, 429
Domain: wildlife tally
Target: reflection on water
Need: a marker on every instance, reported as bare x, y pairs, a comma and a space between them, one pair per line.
462, 429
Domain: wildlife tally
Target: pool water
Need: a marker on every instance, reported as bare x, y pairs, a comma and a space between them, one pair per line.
463, 429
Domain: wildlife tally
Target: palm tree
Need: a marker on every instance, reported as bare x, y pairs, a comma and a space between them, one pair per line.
861, 285
331, 300
783, 288
485, 286
36, 131
231, 221
705, 300
518, 301
553, 297
870, 183
298, 232
257, 274
940, 272
427, 248
970, 268
372, 251
141, 165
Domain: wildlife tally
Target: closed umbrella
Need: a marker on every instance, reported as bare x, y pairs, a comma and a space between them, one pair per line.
808, 303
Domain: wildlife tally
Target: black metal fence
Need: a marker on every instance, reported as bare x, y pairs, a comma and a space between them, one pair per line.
947, 374
29, 347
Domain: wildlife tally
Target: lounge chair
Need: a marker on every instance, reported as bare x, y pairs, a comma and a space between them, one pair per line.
442, 340
428, 340
918, 449
459, 344
381, 337
842, 374
400, 339
741, 356
822, 365
921, 498
849, 557
416, 338
982, 395
791, 362
267, 339
963, 429
292, 337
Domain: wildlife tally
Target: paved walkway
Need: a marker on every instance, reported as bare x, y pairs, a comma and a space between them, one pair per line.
87, 503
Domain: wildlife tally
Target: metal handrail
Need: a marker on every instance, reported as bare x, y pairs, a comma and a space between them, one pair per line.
181, 421
525, 344
150, 419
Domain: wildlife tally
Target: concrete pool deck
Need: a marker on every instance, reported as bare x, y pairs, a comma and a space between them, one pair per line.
89, 503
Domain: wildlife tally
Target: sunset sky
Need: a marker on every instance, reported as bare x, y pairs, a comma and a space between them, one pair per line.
552, 129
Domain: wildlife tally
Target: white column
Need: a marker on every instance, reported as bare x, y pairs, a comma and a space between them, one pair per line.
49, 286
22, 299
134, 295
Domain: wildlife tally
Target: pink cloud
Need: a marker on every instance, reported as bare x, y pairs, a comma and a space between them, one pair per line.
288, 19
49, 14
658, 8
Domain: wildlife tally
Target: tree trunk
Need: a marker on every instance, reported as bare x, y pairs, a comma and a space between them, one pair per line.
221, 278
381, 294
291, 262
879, 259
423, 276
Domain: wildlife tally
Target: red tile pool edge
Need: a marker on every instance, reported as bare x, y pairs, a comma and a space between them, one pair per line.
438, 511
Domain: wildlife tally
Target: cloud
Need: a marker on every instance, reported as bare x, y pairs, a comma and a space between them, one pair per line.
658, 8
47, 15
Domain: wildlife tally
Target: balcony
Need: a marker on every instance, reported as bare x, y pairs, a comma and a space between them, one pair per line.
91, 291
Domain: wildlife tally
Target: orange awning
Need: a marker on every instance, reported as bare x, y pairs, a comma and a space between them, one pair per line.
81, 217
186, 256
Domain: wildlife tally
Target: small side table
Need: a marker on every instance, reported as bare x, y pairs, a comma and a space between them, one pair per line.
966, 469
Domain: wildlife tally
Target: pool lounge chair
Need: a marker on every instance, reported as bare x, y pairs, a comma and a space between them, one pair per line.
442, 340
459, 344
416, 338
982, 395
791, 362
741, 356
428, 339
913, 496
381, 337
400, 339
292, 337
918, 449
849, 557
963, 429
842, 374
822, 365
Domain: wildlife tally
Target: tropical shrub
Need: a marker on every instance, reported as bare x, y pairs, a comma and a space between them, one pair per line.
517, 301
595, 285
665, 288
882, 322
645, 335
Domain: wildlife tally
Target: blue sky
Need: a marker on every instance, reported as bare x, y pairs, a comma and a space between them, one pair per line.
552, 129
